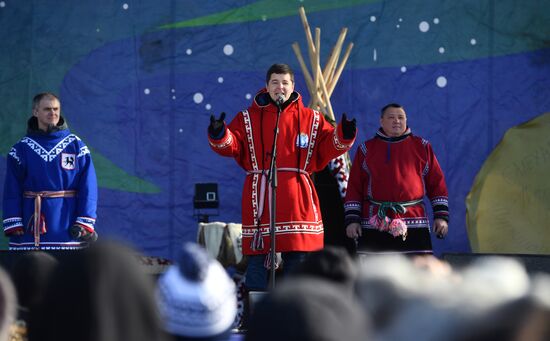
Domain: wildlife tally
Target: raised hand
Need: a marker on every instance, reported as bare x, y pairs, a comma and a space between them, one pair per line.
349, 127
216, 125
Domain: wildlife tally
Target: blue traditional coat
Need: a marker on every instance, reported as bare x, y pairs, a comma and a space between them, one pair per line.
49, 162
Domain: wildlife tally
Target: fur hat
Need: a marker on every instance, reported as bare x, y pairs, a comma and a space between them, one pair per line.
197, 298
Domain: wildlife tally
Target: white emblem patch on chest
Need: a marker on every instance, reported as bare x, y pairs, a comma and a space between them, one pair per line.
302, 140
68, 161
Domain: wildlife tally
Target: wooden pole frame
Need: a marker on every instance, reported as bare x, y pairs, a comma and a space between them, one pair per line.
321, 82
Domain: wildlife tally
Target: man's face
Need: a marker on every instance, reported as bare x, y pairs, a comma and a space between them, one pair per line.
394, 121
47, 112
280, 83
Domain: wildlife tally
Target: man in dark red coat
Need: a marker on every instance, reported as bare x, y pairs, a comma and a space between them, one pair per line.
390, 175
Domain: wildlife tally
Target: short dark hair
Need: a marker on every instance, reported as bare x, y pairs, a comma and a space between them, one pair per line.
36, 100
279, 69
391, 105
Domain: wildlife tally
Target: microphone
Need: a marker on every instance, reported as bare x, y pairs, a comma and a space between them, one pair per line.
280, 99
78, 233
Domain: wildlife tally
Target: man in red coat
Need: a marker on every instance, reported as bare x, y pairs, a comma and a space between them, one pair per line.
390, 176
305, 144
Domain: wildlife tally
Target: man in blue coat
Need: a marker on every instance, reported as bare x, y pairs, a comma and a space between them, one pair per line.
50, 192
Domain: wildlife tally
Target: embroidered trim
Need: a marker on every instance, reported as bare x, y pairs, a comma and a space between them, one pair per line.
284, 228
47, 246
369, 185
83, 151
254, 162
352, 211
440, 201
11, 223
412, 223
48, 156
313, 134
364, 166
363, 148
366, 169
87, 222
228, 141
337, 143
352, 206
426, 169
13, 153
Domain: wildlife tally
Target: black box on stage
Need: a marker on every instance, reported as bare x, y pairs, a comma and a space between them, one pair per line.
206, 196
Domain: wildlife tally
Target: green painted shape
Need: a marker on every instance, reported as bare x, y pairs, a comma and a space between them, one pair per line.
51, 66
111, 176
257, 11
499, 28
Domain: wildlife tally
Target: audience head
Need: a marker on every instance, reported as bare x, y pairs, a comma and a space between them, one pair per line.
8, 304
426, 298
197, 298
31, 273
385, 284
307, 309
98, 294
526, 317
490, 281
332, 263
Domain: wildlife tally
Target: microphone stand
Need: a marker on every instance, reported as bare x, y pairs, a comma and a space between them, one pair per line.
272, 180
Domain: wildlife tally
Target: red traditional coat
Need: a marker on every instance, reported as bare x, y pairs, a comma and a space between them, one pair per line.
396, 170
305, 144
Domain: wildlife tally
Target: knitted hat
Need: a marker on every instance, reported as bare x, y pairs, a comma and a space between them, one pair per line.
197, 298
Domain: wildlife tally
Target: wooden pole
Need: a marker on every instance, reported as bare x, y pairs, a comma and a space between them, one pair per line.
307, 30
322, 82
309, 81
303, 66
317, 59
328, 72
340, 68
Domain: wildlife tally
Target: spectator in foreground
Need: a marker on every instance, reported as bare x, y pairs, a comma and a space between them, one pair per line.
8, 306
99, 294
308, 309
197, 298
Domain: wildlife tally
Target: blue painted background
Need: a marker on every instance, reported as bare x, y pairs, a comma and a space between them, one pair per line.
138, 81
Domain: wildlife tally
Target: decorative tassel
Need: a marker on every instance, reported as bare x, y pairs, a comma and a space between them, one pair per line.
42, 224
398, 228
268, 261
395, 227
257, 243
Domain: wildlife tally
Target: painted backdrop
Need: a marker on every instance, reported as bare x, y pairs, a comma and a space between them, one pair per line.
138, 81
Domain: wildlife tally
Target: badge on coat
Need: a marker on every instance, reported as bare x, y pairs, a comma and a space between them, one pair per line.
68, 161
302, 140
